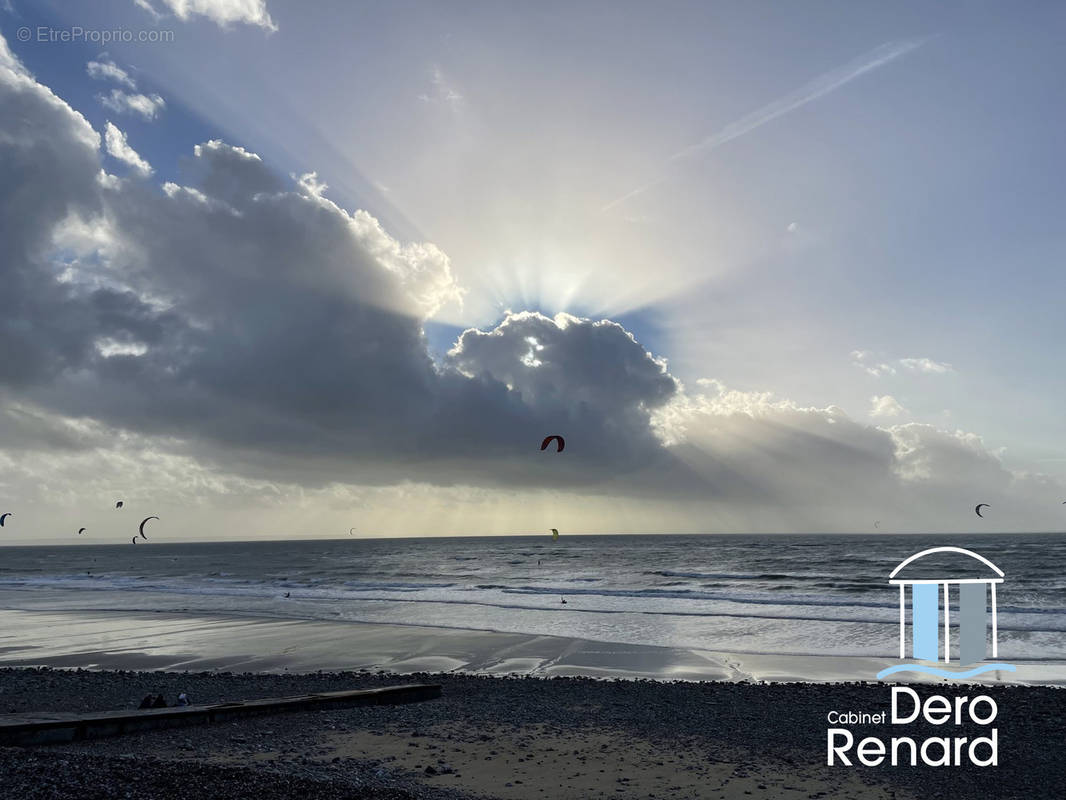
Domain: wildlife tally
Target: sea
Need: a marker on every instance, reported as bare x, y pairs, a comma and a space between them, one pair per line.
770, 594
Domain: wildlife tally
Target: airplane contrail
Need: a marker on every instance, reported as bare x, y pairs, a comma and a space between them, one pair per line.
819, 87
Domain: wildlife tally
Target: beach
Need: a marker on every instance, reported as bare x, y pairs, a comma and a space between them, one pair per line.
501, 737
229, 642
653, 680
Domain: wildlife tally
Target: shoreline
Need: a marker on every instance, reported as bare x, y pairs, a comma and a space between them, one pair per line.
165, 640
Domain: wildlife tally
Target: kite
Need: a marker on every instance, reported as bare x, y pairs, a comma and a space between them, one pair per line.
141, 528
977, 509
547, 441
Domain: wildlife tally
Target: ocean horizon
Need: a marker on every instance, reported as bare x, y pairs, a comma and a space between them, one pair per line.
778, 595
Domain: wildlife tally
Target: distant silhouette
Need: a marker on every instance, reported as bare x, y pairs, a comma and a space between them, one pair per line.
286, 594
563, 601
118, 504
183, 699
159, 702
146, 702
141, 528
547, 441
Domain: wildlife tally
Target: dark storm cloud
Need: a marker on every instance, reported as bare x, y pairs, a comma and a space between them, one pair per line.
282, 333
45, 173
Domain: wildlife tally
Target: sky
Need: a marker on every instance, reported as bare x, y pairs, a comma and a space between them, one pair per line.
280, 269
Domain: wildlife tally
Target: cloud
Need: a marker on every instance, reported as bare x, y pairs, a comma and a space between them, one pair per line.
240, 335
147, 105
925, 365
864, 360
8, 61
222, 12
423, 269
824, 84
118, 100
885, 406
772, 464
105, 69
49, 164
119, 148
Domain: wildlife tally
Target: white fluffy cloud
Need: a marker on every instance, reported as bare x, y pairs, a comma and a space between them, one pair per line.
870, 364
885, 406
119, 148
146, 105
423, 269
120, 101
103, 68
8, 61
221, 12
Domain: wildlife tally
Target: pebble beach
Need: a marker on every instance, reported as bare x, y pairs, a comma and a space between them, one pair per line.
502, 737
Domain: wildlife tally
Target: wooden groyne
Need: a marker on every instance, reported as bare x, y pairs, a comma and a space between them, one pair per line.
51, 727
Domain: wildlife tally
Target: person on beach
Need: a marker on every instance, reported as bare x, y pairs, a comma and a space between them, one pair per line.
146, 702
183, 699
160, 702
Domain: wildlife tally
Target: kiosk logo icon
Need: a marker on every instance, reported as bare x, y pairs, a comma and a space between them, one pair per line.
931, 601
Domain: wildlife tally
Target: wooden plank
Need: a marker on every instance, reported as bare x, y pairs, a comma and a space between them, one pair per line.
48, 727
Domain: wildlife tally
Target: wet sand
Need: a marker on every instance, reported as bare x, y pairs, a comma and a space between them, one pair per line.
164, 640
